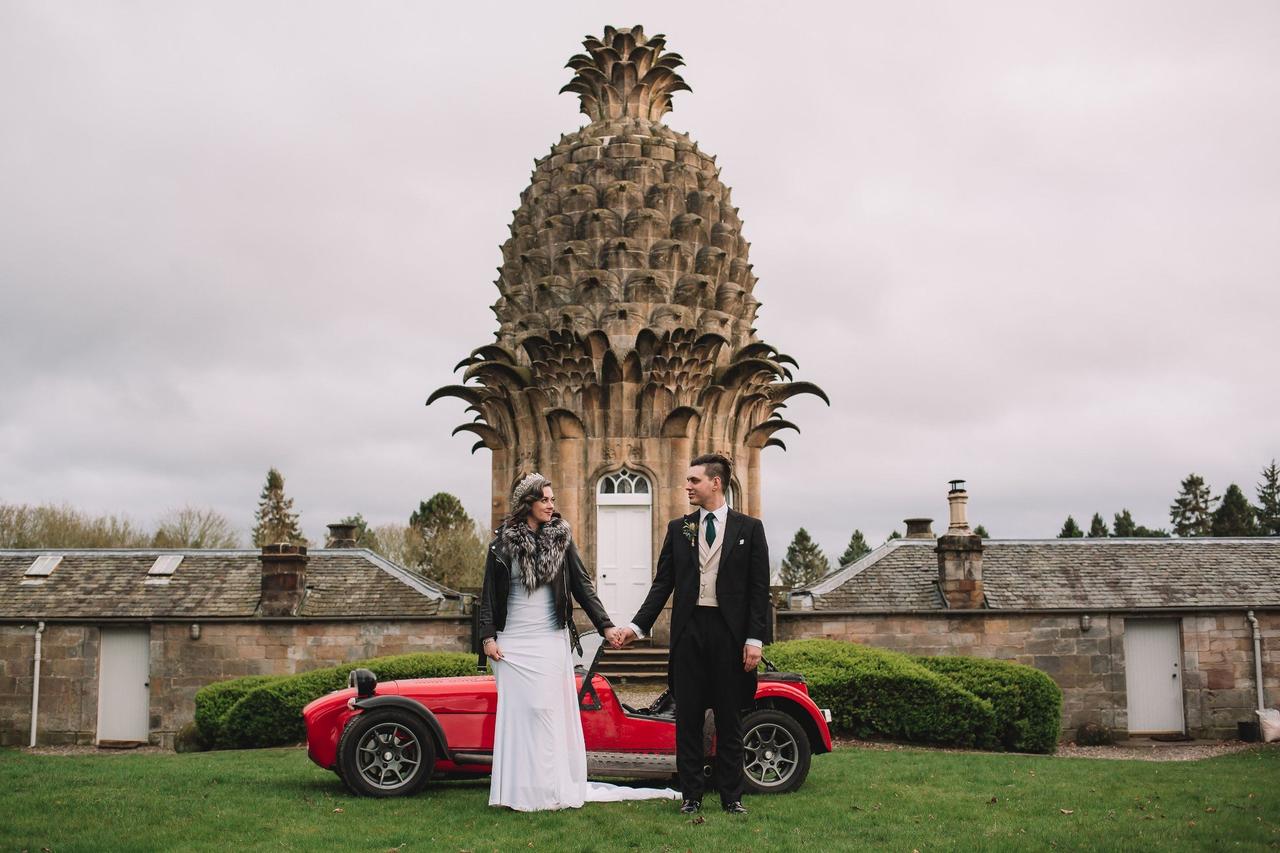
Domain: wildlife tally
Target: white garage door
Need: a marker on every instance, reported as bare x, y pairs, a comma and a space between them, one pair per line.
1153, 676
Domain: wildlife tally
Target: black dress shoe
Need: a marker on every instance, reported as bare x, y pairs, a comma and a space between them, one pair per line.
736, 807
691, 807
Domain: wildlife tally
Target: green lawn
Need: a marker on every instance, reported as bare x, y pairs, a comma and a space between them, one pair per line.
855, 798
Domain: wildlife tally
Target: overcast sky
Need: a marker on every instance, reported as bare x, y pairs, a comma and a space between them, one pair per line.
1033, 245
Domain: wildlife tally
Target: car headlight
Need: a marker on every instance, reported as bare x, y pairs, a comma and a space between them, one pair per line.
363, 680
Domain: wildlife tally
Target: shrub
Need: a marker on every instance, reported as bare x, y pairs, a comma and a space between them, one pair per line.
1027, 703
270, 713
879, 693
213, 701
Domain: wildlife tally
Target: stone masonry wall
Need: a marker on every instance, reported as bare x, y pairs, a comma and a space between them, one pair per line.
1089, 666
180, 666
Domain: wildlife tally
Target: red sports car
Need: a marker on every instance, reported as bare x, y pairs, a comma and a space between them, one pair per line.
387, 740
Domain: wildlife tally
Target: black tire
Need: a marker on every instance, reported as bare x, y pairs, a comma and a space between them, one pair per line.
775, 752
386, 753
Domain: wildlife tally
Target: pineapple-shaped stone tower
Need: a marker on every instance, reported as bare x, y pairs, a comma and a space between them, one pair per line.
626, 341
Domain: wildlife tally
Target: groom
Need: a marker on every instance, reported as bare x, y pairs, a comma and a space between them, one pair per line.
717, 563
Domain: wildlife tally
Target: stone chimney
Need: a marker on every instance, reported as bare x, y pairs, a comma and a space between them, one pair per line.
919, 528
960, 555
284, 579
341, 535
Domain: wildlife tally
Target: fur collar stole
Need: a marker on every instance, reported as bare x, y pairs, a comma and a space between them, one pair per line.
540, 554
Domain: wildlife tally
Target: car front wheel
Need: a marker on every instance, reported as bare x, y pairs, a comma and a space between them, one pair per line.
775, 752
386, 753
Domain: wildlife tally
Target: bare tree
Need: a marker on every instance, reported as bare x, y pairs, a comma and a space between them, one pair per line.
50, 526
195, 527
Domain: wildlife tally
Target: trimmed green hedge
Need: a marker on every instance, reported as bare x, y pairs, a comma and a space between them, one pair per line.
947, 701
213, 701
267, 710
1027, 703
879, 693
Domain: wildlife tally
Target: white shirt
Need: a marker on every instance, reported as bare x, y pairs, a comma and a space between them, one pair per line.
722, 516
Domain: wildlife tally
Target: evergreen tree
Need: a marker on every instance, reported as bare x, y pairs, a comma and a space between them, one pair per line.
1234, 516
1070, 530
894, 535
1098, 528
453, 546
804, 563
275, 521
1268, 509
857, 549
442, 512
1192, 511
982, 531
1124, 525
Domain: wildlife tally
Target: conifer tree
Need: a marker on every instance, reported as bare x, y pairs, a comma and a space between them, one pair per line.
1268, 509
453, 546
894, 535
981, 531
275, 521
1098, 528
804, 563
1070, 530
857, 549
441, 512
1192, 511
1124, 526
1234, 516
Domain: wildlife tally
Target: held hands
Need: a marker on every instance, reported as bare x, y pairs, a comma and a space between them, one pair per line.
620, 637
750, 657
491, 649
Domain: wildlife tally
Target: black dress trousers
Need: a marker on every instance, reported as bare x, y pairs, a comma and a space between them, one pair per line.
708, 675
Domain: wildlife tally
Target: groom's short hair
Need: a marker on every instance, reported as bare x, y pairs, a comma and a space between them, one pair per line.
716, 466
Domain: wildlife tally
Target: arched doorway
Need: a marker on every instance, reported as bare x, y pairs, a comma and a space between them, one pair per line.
624, 542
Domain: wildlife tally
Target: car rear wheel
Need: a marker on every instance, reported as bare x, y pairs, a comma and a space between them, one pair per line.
386, 753
775, 752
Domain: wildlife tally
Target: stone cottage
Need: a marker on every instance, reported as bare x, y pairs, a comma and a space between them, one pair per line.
1143, 635
122, 640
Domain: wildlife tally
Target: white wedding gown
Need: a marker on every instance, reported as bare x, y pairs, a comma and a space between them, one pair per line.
539, 756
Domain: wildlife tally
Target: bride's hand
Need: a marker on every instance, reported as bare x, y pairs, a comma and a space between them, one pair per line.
491, 649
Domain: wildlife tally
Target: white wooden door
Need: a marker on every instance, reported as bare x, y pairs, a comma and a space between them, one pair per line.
624, 543
1153, 675
124, 691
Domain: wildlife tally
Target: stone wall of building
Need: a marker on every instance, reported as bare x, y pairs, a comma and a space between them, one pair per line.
1089, 665
180, 666
68, 683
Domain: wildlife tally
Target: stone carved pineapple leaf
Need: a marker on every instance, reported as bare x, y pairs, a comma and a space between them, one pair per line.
625, 74
626, 305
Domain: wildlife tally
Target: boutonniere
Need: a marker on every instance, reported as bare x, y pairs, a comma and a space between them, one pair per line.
691, 532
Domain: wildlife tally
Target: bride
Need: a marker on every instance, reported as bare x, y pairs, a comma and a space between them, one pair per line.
526, 622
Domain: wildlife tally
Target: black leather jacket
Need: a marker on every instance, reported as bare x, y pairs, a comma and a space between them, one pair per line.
497, 586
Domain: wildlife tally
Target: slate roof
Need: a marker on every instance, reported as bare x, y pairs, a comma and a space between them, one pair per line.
98, 584
1052, 574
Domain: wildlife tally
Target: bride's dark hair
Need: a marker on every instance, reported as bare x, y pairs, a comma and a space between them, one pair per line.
524, 495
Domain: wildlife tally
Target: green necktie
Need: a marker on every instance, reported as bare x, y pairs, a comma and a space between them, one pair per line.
711, 529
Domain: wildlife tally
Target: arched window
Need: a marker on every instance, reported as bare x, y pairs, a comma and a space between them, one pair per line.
624, 482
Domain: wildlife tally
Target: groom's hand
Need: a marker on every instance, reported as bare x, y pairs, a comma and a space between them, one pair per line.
750, 657
625, 638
